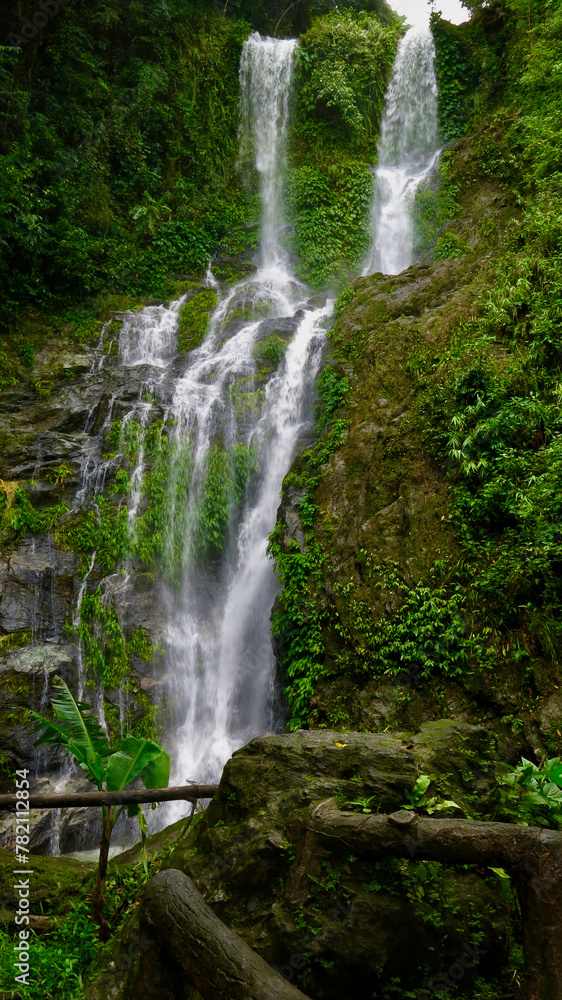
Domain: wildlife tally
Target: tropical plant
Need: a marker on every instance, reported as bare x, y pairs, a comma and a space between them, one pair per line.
531, 793
419, 799
110, 769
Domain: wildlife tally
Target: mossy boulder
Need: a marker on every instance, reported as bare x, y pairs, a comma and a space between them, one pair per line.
346, 920
270, 351
56, 883
195, 316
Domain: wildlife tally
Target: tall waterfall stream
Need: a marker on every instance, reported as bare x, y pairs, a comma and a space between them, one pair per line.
408, 151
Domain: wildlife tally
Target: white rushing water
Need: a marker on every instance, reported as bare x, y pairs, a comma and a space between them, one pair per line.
226, 407
408, 151
149, 336
266, 70
219, 651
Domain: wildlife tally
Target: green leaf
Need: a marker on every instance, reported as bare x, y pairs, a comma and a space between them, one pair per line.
156, 774
131, 757
422, 784
80, 732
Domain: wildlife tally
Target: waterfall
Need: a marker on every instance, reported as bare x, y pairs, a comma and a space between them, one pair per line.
219, 655
408, 151
230, 415
266, 69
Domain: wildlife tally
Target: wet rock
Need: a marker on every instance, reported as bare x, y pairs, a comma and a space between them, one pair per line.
283, 327
38, 659
57, 830
36, 587
235, 267
25, 675
550, 712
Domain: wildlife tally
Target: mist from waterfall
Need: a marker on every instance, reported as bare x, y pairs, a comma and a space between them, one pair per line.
407, 154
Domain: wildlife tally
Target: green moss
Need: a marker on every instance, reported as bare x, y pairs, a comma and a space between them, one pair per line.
194, 319
270, 350
58, 882
14, 640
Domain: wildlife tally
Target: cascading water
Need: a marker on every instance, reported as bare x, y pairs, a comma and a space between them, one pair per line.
266, 70
408, 151
219, 650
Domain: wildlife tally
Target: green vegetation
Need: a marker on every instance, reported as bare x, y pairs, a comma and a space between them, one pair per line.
531, 794
118, 149
20, 517
489, 403
270, 351
299, 617
60, 957
110, 769
194, 319
344, 61
226, 478
57, 959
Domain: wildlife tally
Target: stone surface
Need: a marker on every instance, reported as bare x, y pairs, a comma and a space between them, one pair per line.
245, 854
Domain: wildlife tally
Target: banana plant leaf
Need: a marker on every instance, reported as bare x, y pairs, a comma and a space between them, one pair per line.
78, 731
134, 757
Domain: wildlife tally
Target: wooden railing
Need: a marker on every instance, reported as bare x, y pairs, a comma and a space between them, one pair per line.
64, 800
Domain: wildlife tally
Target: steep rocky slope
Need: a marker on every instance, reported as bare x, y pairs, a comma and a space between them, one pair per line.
366, 534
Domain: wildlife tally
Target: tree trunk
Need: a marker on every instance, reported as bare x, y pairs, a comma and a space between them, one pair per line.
215, 959
99, 890
532, 855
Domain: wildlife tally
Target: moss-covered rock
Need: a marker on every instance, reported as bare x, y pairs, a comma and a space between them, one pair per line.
345, 919
365, 517
194, 319
56, 883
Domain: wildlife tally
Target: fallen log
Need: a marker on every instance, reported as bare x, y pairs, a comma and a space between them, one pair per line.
532, 855
63, 800
214, 958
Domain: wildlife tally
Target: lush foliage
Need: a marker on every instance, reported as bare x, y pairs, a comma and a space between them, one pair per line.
80, 733
532, 794
59, 958
111, 769
276, 17
344, 62
119, 135
456, 78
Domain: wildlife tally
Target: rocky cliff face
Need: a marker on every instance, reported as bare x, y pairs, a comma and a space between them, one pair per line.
365, 522
64, 447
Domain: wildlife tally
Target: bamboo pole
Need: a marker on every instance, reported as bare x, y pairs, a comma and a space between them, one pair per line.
62, 800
